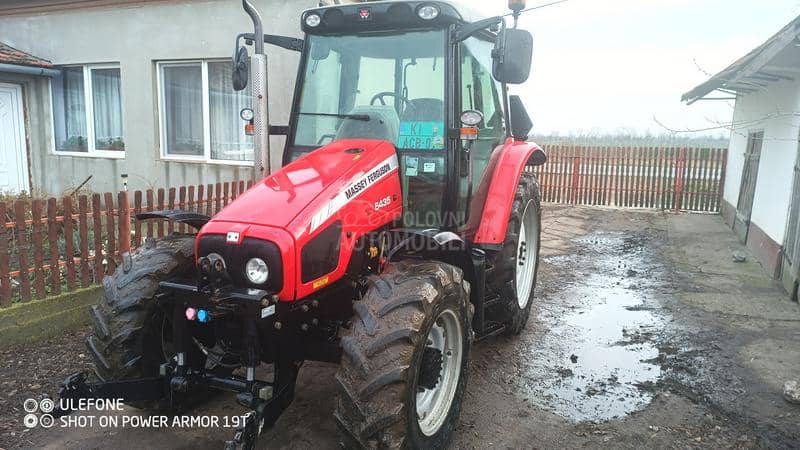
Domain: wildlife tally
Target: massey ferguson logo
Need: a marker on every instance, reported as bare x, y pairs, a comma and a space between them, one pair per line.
365, 13
362, 184
357, 187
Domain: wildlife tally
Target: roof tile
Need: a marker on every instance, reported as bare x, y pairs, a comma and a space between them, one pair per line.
10, 55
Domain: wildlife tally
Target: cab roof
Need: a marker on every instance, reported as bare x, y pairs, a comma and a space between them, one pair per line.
357, 17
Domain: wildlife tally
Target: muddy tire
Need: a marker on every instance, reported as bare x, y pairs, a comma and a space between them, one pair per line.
412, 329
128, 324
503, 278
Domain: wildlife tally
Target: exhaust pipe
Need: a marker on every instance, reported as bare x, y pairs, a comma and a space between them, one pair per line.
259, 89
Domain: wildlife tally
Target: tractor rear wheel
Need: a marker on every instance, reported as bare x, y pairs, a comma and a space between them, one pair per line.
404, 371
132, 333
511, 275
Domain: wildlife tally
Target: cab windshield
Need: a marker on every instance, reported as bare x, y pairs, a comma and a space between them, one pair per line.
388, 87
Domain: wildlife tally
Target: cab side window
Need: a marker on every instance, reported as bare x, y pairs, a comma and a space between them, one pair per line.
482, 93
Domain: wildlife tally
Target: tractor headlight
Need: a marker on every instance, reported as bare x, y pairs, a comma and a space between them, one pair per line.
428, 12
313, 20
256, 271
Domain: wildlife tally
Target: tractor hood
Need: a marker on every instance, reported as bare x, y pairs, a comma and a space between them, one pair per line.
306, 184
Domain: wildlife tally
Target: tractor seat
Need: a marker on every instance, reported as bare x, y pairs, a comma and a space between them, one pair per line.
424, 110
383, 124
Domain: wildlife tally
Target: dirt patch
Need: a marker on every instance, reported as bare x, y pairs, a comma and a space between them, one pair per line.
31, 371
629, 345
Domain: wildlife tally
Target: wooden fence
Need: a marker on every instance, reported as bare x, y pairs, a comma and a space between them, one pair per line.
681, 179
58, 245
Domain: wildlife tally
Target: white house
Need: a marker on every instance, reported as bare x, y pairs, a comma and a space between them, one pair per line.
762, 185
94, 89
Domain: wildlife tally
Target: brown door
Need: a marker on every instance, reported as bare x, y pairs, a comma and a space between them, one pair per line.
747, 191
791, 248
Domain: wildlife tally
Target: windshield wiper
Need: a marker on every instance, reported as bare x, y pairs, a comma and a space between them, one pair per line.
361, 117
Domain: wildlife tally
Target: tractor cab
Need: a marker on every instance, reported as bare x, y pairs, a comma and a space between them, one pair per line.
420, 75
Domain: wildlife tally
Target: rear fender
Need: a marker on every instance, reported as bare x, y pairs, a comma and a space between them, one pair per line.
491, 205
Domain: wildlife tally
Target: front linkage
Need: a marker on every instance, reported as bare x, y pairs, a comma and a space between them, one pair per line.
266, 400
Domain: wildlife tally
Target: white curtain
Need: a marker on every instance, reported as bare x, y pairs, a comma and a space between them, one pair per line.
107, 103
184, 109
228, 139
74, 110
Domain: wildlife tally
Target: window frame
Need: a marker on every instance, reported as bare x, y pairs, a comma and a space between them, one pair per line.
205, 158
88, 98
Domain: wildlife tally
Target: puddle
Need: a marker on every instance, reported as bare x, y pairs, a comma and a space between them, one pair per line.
598, 348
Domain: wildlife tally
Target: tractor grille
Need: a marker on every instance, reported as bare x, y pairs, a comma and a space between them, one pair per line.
236, 256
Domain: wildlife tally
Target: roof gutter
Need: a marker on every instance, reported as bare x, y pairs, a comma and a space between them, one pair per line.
29, 70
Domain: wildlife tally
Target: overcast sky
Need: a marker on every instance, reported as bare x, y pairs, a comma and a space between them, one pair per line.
601, 66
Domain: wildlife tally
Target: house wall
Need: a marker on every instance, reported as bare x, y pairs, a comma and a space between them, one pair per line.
775, 112
136, 36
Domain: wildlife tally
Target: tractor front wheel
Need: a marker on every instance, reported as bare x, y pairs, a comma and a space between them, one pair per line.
404, 371
132, 332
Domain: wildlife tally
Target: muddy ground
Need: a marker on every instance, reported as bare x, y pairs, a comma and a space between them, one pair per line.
644, 333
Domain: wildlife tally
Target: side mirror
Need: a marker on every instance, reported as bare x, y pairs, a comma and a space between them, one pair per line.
521, 124
513, 54
240, 69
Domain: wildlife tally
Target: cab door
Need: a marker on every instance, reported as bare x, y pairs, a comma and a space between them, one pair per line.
480, 92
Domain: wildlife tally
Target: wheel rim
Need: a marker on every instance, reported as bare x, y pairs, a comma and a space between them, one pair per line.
433, 405
527, 254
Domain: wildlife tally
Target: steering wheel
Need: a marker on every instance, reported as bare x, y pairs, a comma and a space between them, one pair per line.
380, 96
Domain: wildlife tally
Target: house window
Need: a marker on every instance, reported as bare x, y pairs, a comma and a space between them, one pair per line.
200, 113
87, 111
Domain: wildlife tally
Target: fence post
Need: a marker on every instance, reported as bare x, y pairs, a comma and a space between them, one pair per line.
124, 223
576, 172
5, 279
679, 169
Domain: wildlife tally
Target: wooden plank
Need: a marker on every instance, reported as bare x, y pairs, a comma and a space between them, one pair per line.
171, 205
38, 248
708, 174
182, 206
199, 207
124, 222
83, 231
609, 162
218, 198
225, 193
52, 242
69, 245
97, 226
5, 278
653, 175
160, 207
637, 177
209, 200
22, 250
554, 177
624, 164
701, 179
688, 181
662, 179
150, 195
137, 209
242, 187
111, 263
234, 191
190, 201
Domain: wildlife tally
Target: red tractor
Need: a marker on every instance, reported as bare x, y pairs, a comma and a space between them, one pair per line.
402, 227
